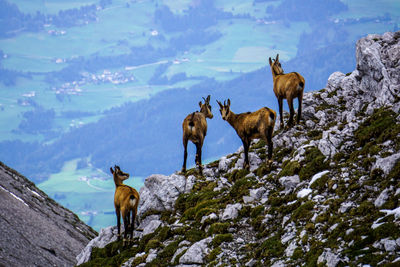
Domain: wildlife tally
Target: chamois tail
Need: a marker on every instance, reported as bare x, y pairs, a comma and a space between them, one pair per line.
132, 201
301, 84
191, 123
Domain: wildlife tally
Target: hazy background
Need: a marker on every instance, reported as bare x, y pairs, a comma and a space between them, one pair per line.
89, 84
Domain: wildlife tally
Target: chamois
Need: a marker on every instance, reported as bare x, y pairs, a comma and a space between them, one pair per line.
251, 125
195, 129
126, 201
287, 86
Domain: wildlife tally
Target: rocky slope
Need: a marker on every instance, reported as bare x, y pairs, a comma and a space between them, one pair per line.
34, 229
330, 198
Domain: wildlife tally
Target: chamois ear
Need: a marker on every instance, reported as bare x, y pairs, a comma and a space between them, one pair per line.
277, 57
270, 62
208, 99
111, 170
229, 102
220, 105
200, 104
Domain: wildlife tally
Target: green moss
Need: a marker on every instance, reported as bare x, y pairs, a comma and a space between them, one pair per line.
303, 212
270, 248
194, 234
201, 209
259, 144
186, 201
321, 183
289, 168
170, 249
324, 106
236, 175
297, 254
314, 162
256, 223
220, 238
213, 164
257, 211
240, 188
152, 244
218, 228
213, 254
262, 170
280, 153
315, 134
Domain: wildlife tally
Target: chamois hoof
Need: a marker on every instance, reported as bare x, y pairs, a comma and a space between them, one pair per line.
246, 166
183, 170
125, 242
118, 237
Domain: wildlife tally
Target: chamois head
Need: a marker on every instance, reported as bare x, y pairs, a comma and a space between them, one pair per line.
205, 107
276, 67
119, 175
224, 109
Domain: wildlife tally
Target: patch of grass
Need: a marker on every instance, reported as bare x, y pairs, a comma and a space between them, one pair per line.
280, 153
270, 248
218, 228
314, 163
376, 129
240, 189
213, 254
321, 183
314, 134
289, 168
220, 238
193, 235
236, 175
303, 212
257, 211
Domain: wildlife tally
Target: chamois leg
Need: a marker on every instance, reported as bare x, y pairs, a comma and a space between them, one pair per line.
300, 100
198, 156
270, 144
126, 226
118, 213
246, 144
185, 143
280, 103
133, 224
290, 103
128, 230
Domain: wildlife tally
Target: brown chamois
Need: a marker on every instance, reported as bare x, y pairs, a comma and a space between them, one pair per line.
195, 129
287, 86
251, 125
126, 201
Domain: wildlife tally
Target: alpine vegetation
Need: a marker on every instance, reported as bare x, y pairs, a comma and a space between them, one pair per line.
329, 198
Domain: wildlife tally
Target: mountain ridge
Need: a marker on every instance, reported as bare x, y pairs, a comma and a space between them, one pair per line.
32, 225
330, 198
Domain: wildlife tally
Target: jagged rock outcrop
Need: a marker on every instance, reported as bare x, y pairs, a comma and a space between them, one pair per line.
331, 196
34, 229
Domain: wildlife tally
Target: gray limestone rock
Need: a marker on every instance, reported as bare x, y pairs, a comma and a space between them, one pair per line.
196, 253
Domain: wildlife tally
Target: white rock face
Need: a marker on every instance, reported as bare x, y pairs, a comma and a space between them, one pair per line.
289, 182
382, 198
152, 226
231, 211
331, 259
160, 192
386, 164
224, 163
106, 236
196, 253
